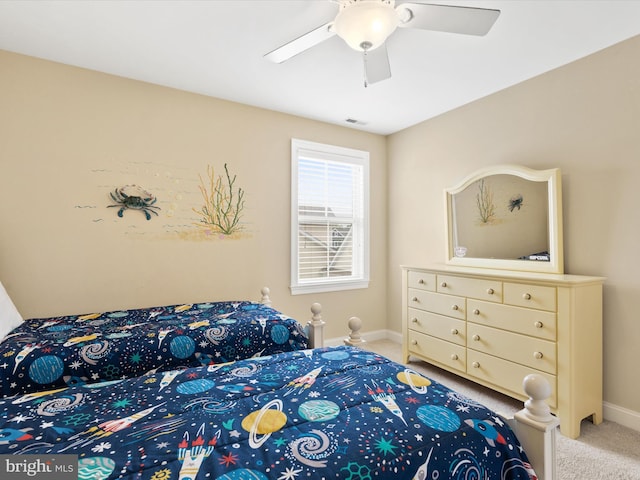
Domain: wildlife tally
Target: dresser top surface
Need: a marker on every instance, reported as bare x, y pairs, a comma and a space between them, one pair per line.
553, 278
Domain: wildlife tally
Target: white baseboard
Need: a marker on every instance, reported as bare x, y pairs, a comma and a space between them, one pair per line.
621, 415
368, 337
394, 337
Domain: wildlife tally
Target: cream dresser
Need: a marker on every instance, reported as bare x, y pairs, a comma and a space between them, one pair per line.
494, 327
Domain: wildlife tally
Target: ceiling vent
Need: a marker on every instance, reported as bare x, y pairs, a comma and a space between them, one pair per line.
353, 121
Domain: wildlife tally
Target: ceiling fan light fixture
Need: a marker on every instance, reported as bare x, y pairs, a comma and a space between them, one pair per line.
365, 24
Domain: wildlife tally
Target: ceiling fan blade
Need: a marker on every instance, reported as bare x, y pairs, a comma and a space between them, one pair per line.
302, 43
376, 65
445, 18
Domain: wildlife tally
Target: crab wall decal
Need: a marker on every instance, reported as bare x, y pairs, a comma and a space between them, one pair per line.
136, 198
515, 202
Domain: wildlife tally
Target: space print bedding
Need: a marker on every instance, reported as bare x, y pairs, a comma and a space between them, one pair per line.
47, 353
330, 413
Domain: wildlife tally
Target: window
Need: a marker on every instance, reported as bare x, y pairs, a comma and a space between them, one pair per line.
329, 218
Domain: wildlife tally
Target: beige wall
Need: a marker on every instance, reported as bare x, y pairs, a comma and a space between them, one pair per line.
69, 136
583, 118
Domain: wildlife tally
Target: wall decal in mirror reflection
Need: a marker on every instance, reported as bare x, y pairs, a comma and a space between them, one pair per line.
507, 217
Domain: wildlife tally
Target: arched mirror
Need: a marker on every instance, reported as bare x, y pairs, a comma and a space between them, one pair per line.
507, 217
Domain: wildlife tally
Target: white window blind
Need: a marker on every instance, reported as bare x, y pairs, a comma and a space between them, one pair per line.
329, 217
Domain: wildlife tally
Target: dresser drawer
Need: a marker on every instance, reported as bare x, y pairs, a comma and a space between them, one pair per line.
488, 290
421, 280
449, 305
447, 328
536, 323
530, 296
529, 351
446, 353
505, 374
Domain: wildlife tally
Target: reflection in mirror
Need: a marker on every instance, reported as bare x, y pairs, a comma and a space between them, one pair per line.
506, 217
493, 211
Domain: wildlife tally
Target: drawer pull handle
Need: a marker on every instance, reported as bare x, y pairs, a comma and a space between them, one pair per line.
454, 356
475, 364
414, 320
476, 338
454, 331
490, 291
454, 307
527, 296
537, 355
443, 284
415, 299
476, 312
538, 324
414, 342
421, 281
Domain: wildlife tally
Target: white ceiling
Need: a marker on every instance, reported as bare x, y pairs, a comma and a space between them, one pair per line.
216, 48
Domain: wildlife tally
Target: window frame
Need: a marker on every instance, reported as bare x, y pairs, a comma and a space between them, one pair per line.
329, 153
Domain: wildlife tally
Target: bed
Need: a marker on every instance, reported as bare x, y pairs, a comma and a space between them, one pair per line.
48, 353
334, 412
338, 412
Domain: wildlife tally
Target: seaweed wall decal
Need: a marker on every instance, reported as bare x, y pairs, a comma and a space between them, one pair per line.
484, 200
223, 203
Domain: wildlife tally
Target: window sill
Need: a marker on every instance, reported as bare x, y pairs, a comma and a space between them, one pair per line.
328, 287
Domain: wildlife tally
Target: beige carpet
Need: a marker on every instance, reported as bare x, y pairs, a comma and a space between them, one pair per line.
608, 451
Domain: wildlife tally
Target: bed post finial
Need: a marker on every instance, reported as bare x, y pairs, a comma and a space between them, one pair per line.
538, 390
354, 339
266, 299
315, 326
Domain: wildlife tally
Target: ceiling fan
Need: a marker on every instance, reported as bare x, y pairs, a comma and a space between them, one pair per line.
365, 26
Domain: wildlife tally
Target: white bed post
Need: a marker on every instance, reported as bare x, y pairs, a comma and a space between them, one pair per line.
315, 327
266, 299
354, 339
536, 428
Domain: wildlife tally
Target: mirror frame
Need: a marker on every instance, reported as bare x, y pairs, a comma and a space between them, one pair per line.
554, 214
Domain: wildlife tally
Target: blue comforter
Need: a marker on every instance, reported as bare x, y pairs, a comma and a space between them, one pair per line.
339, 413
49, 353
